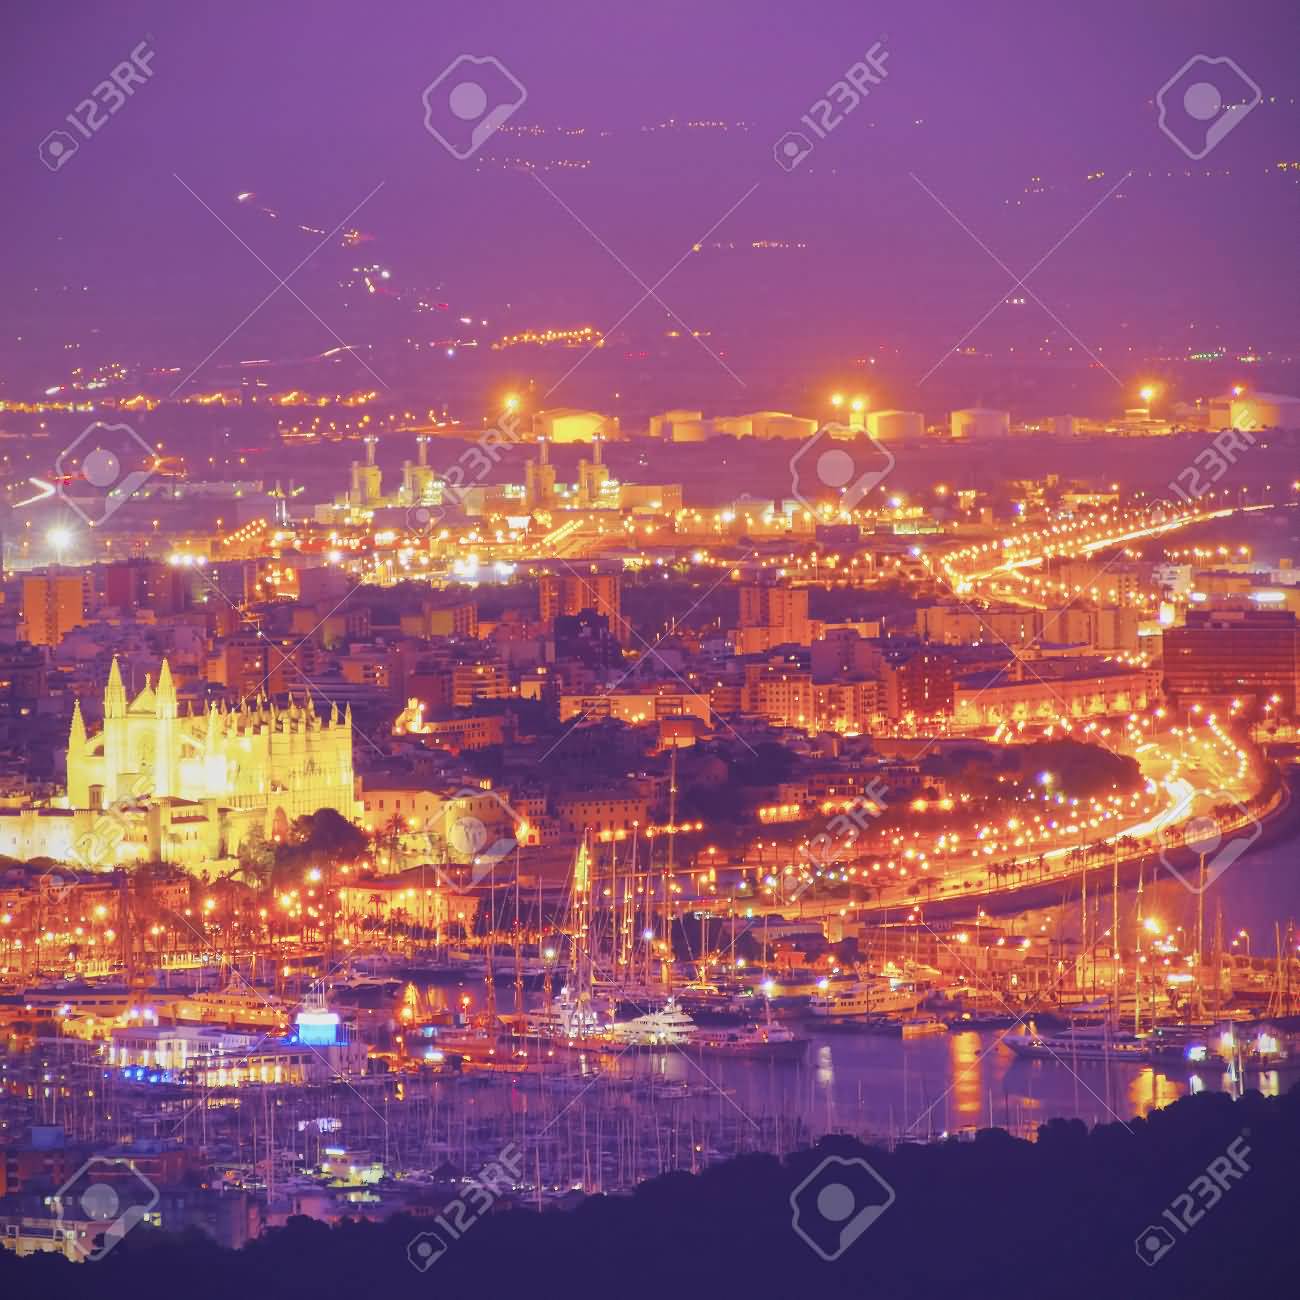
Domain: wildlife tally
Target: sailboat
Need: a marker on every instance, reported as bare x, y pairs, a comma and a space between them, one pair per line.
574, 1019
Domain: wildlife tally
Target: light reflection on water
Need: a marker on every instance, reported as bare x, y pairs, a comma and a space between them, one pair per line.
881, 1085
878, 1084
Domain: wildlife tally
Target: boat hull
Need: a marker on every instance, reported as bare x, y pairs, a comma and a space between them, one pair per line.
785, 1050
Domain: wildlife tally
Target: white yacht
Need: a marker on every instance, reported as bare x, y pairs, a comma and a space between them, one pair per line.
866, 998
670, 1026
1079, 1045
769, 1040
567, 1020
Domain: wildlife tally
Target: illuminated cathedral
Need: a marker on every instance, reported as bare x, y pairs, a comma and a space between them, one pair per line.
204, 780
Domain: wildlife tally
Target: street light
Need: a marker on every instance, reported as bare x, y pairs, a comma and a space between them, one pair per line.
60, 538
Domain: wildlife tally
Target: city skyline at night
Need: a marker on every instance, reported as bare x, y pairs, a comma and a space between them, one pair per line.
670, 624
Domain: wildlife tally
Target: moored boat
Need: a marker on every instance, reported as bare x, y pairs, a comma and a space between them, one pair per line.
669, 1026
766, 1041
923, 1026
1079, 1045
866, 998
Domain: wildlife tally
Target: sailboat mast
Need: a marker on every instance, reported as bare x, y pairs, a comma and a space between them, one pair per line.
549, 966
668, 872
578, 922
1114, 935
519, 961
627, 939
491, 988
1137, 954
613, 906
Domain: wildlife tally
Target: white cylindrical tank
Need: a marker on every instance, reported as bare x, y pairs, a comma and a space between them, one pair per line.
894, 426
981, 422
1265, 411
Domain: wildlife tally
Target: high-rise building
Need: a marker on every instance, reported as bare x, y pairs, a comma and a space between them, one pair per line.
22, 679
53, 604
773, 616
919, 686
782, 693
1246, 654
586, 637
250, 666
146, 584
571, 593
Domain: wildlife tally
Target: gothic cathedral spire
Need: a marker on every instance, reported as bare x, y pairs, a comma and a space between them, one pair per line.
77, 736
165, 694
115, 693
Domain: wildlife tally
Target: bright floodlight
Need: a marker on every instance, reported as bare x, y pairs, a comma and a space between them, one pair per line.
59, 538
1146, 393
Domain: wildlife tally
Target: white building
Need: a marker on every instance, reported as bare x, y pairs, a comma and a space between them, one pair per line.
567, 424
981, 422
1255, 411
894, 426
780, 424
663, 426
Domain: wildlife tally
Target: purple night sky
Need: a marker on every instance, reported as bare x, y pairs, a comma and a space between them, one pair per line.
1019, 119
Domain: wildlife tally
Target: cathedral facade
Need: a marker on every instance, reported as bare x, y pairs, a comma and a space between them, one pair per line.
219, 773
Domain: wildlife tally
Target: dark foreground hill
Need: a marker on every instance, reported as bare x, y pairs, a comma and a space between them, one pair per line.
1201, 1199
